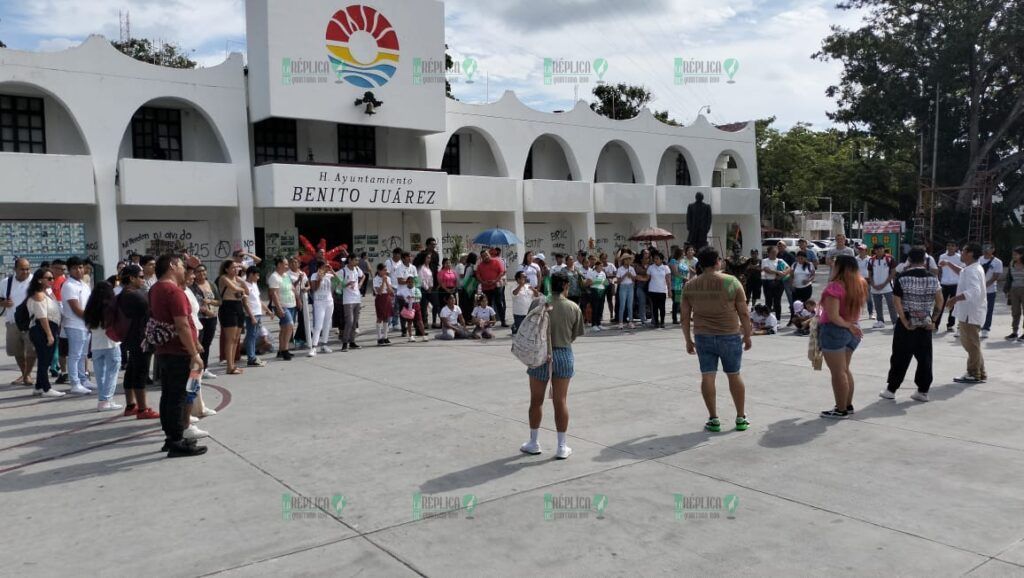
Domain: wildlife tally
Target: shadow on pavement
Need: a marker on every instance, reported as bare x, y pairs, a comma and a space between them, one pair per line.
19, 480
483, 473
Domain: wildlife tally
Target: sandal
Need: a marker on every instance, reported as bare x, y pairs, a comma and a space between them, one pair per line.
19, 381
235, 371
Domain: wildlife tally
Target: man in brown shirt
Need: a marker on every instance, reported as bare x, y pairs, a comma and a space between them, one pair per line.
718, 308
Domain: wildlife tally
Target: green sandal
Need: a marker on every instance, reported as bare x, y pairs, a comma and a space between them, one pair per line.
713, 425
742, 424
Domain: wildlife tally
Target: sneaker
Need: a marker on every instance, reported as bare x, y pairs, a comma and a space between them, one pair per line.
325, 349
1011, 336
193, 419
919, 396
194, 433
37, 392
207, 374
387, 342
344, 348
713, 425
89, 385
147, 413
621, 326
380, 343
563, 452
108, 405
1020, 339
742, 423
967, 378
311, 353
52, 393
207, 412
184, 450
886, 394
984, 333
288, 356
79, 390
532, 448
256, 363
849, 409
354, 345
878, 325
412, 339
62, 379
835, 414
424, 339
131, 409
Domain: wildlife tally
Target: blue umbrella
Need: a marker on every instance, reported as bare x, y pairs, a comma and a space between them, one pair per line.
497, 238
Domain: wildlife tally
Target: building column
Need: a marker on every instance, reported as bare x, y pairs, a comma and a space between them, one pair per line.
750, 225
106, 217
433, 227
584, 228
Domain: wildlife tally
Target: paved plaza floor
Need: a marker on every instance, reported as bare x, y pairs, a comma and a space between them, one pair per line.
404, 460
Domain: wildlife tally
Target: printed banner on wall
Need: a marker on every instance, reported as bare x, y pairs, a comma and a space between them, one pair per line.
40, 241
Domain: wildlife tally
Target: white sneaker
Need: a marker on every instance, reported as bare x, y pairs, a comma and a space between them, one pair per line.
194, 433
621, 326
78, 389
563, 452
193, 419
412, 339
532, 448
108, 405
207, 412
311, 353
919, 396
325, 349
52, 393
207, 374
425, 338
358, 331
886, 394
878, 325
984, 333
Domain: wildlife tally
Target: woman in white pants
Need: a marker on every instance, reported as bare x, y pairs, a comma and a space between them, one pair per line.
323, 307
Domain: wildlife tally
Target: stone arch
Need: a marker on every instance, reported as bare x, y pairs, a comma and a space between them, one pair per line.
204, 126
72, 142
669, 171
557, 160
617, 158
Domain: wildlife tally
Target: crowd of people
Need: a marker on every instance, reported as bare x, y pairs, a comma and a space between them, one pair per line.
156, 319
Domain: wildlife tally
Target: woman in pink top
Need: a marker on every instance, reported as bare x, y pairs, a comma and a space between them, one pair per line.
840, 332
447, 280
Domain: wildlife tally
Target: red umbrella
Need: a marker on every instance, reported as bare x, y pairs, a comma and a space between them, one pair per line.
652, 234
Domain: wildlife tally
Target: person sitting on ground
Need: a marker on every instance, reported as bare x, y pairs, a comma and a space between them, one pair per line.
483, 318
453, 325
763, 320
803, 313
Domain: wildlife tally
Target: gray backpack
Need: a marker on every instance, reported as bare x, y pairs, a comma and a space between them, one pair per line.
532, 343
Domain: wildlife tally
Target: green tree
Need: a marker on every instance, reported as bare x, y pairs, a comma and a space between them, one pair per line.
970, 50
620, 101
2, 45
162, 54
663, 117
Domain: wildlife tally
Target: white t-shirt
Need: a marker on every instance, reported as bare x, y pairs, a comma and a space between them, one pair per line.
996, 268
194, 305
950, 277
403, 292
452, 315
532, 271
802, 275
253, 299
19, 290
392, 266
323, 292
610, 271
351, 279
286, 291
101, 341
862, 264
403, 271
556, 268
621, 272
379, 288
521, 301
657, 283
773, 265
483, 313
764, 321
880, 274
74, 289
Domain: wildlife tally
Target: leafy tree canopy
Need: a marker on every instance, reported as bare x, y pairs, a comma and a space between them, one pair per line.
161, 54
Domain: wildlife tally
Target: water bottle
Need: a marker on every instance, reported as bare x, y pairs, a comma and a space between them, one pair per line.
194, 383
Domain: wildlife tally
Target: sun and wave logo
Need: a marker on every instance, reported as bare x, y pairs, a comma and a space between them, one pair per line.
362, 46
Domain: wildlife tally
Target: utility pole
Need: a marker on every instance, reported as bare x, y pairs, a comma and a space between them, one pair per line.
935, 141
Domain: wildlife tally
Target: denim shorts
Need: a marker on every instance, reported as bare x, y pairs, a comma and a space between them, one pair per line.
291, 316
711, 348
562, 365
834, 338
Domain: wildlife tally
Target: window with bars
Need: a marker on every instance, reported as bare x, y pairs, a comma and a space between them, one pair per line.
275, 141
357, 145
450, 163
22, 124
682, 171
156, 134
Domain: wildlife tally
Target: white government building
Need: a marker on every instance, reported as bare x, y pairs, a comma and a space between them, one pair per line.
237, 156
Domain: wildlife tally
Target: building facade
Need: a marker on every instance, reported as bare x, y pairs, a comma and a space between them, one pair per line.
338, 128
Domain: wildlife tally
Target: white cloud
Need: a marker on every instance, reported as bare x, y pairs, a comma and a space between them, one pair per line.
56, 44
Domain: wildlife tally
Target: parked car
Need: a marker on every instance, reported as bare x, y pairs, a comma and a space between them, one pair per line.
792, 243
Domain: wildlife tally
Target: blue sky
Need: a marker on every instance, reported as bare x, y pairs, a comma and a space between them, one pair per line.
771, 39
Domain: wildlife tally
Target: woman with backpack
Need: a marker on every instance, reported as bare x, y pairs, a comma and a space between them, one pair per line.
565, 323
100, 314
44, 318
133, 305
